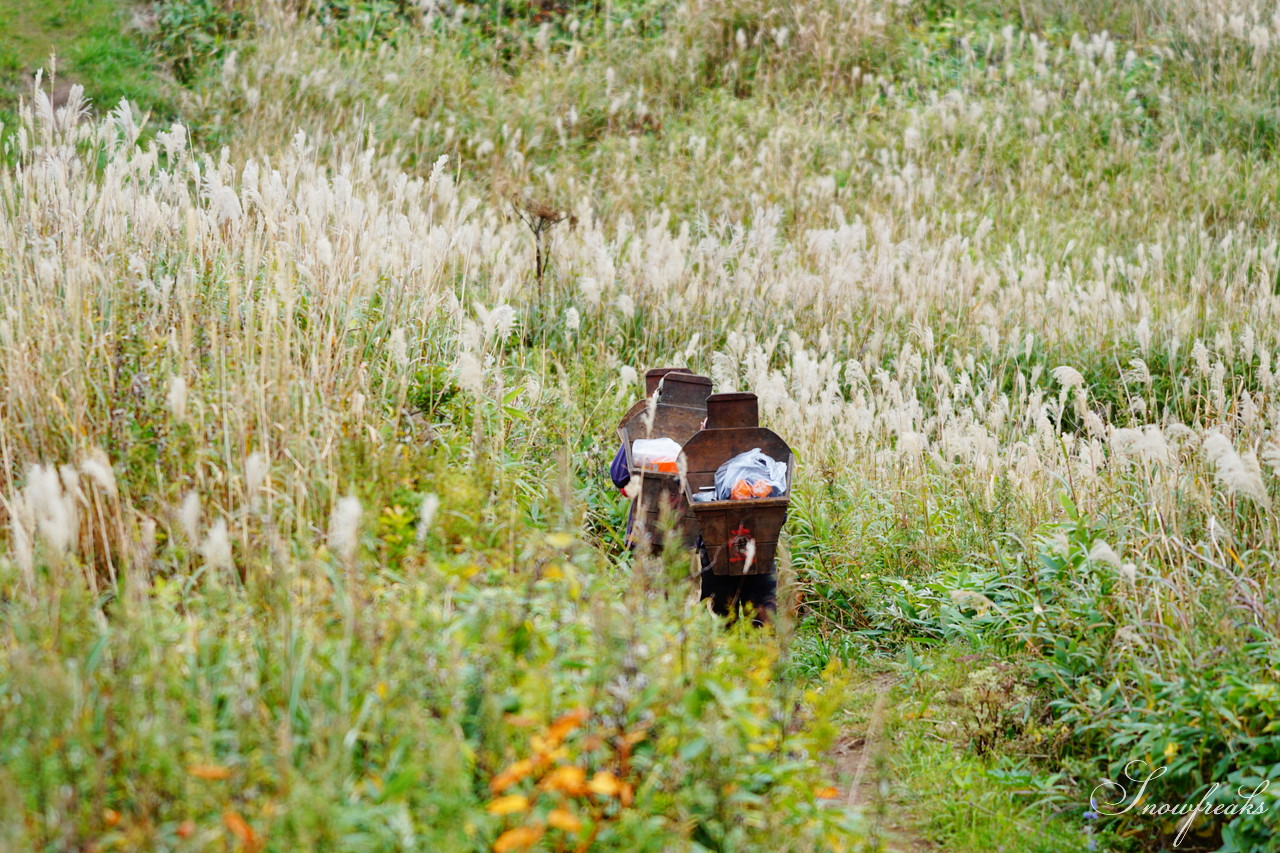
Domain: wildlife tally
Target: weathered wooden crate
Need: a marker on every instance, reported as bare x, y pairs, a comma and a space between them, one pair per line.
652, 379
741, 537
732, 411
680, 410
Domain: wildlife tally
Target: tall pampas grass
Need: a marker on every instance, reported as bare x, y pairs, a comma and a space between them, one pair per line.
344, 528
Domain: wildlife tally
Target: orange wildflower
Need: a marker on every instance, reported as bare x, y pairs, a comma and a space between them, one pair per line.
209, 771
568, 779
513, 774
240, 828
565, 724
633, 738
519, 838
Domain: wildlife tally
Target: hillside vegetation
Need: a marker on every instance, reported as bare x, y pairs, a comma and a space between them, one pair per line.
306, 538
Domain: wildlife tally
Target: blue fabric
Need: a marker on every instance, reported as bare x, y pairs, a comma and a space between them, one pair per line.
618, 470
621, 476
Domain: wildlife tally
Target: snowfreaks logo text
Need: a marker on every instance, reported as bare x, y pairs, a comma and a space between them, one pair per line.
1112, 798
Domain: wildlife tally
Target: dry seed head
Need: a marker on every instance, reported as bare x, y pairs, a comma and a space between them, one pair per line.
1138, 373
1200, 356
176, 399
50, 507
499, 322
650, 412
626, 306
97, 467
255, 472
427, 514
1101, 552
1271, 455
189, 516
215, 550
399, 348
724, 372
1068, 377
470, 374
226, 205
1093, 424
145, 548
1240, 474
344, 527
21, 524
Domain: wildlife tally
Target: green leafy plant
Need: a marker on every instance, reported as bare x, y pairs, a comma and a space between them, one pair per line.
192, 33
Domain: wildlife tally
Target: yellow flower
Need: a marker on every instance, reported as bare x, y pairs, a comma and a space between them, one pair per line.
605, 784
510, 804
559, 540
1171, 750
563, 819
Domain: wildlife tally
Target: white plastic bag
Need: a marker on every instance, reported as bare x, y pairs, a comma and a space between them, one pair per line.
655, 454
748, 474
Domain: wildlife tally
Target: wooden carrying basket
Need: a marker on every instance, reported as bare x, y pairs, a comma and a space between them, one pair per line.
652, 381
680, 411
730, 529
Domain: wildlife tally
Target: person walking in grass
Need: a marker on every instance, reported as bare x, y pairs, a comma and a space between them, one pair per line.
731, 595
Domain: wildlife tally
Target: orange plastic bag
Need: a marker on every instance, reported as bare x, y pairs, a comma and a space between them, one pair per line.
745, 490
749, 475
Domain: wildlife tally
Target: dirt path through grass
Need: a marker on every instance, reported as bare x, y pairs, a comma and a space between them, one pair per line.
862, 757
906, 764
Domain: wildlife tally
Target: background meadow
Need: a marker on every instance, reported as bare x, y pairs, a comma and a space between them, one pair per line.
307, 540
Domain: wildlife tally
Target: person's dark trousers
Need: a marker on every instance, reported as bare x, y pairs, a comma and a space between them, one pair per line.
731, 595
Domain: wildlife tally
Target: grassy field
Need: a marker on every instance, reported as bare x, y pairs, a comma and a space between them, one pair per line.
305, 535
98, 44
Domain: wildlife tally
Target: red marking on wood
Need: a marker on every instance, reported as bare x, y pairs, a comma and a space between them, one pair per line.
738, 540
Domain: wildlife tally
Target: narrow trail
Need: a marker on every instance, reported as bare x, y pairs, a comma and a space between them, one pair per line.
866, 748
862, 762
